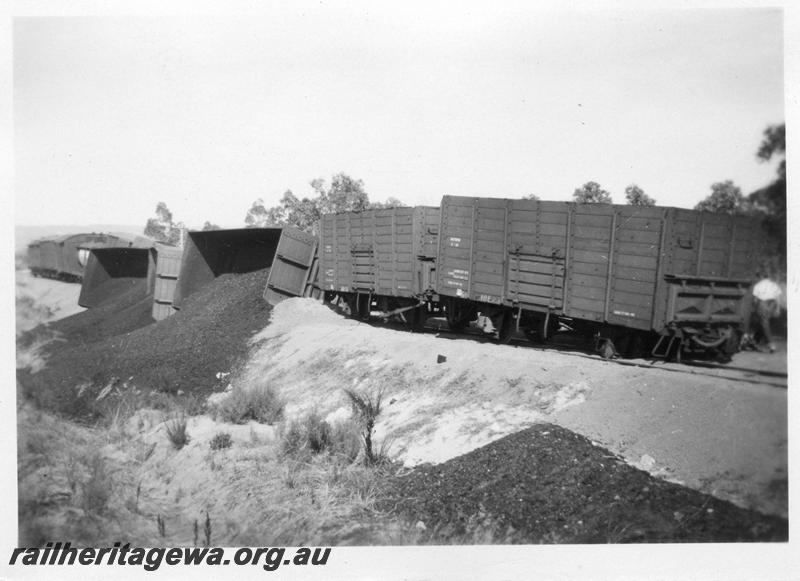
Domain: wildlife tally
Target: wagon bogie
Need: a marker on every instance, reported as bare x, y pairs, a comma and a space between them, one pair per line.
459, 313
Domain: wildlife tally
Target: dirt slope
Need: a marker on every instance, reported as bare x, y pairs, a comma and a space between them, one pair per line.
485, 407
119, 342
41, 300
717, 436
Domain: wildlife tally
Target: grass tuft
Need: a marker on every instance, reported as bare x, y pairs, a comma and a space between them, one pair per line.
366, 408
311, 435
262, 404
221, 441
176, 432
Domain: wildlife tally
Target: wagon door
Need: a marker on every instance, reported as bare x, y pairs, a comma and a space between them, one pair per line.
537, 254
362, 251
168, 266
294, 268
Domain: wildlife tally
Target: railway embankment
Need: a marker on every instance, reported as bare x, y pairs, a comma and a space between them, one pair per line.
615, 453
726, 438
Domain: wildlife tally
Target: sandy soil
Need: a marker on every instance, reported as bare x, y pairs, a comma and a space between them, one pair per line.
41, 300
724, 437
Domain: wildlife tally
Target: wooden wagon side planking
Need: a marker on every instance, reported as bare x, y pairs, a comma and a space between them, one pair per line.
621, 270
384, 255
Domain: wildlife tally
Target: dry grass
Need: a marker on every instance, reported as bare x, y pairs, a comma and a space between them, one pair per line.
176, 431
261, 403
221, 441
312, 435
267, 497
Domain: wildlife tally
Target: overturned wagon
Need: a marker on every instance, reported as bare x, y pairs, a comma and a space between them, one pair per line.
674, 280
289, 254
137, 269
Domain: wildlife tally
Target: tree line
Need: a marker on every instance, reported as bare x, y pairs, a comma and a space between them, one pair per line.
346, 194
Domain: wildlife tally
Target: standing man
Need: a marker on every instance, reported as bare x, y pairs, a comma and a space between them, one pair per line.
765, 297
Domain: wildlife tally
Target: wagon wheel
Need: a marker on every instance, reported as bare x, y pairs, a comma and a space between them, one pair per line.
506, 330
540, 329
347, 304
734, 341
415, 318
358, 305
458, 314
631, 345
363, 306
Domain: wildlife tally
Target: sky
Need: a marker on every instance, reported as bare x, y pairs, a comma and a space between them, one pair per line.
208, 113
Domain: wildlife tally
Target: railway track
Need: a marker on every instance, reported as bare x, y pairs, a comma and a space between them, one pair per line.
731, 372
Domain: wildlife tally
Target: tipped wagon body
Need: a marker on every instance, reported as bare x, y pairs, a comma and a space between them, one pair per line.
112, 270
289, 254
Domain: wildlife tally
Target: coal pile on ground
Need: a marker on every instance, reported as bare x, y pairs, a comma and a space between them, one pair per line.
128, 307
549, 485
181, 353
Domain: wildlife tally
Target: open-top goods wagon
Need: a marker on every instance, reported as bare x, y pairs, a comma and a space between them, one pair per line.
209, 254
288, 253
115, 270
386, 256
628, 274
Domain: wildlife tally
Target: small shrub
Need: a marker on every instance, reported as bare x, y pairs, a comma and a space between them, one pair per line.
221, 441
176, 432
262, 404
313, 435
366, 409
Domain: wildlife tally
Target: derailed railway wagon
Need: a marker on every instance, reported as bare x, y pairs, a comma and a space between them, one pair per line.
209, 254
65, 257
42, 257
382, 256
132, 269
288, 253
665, 280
